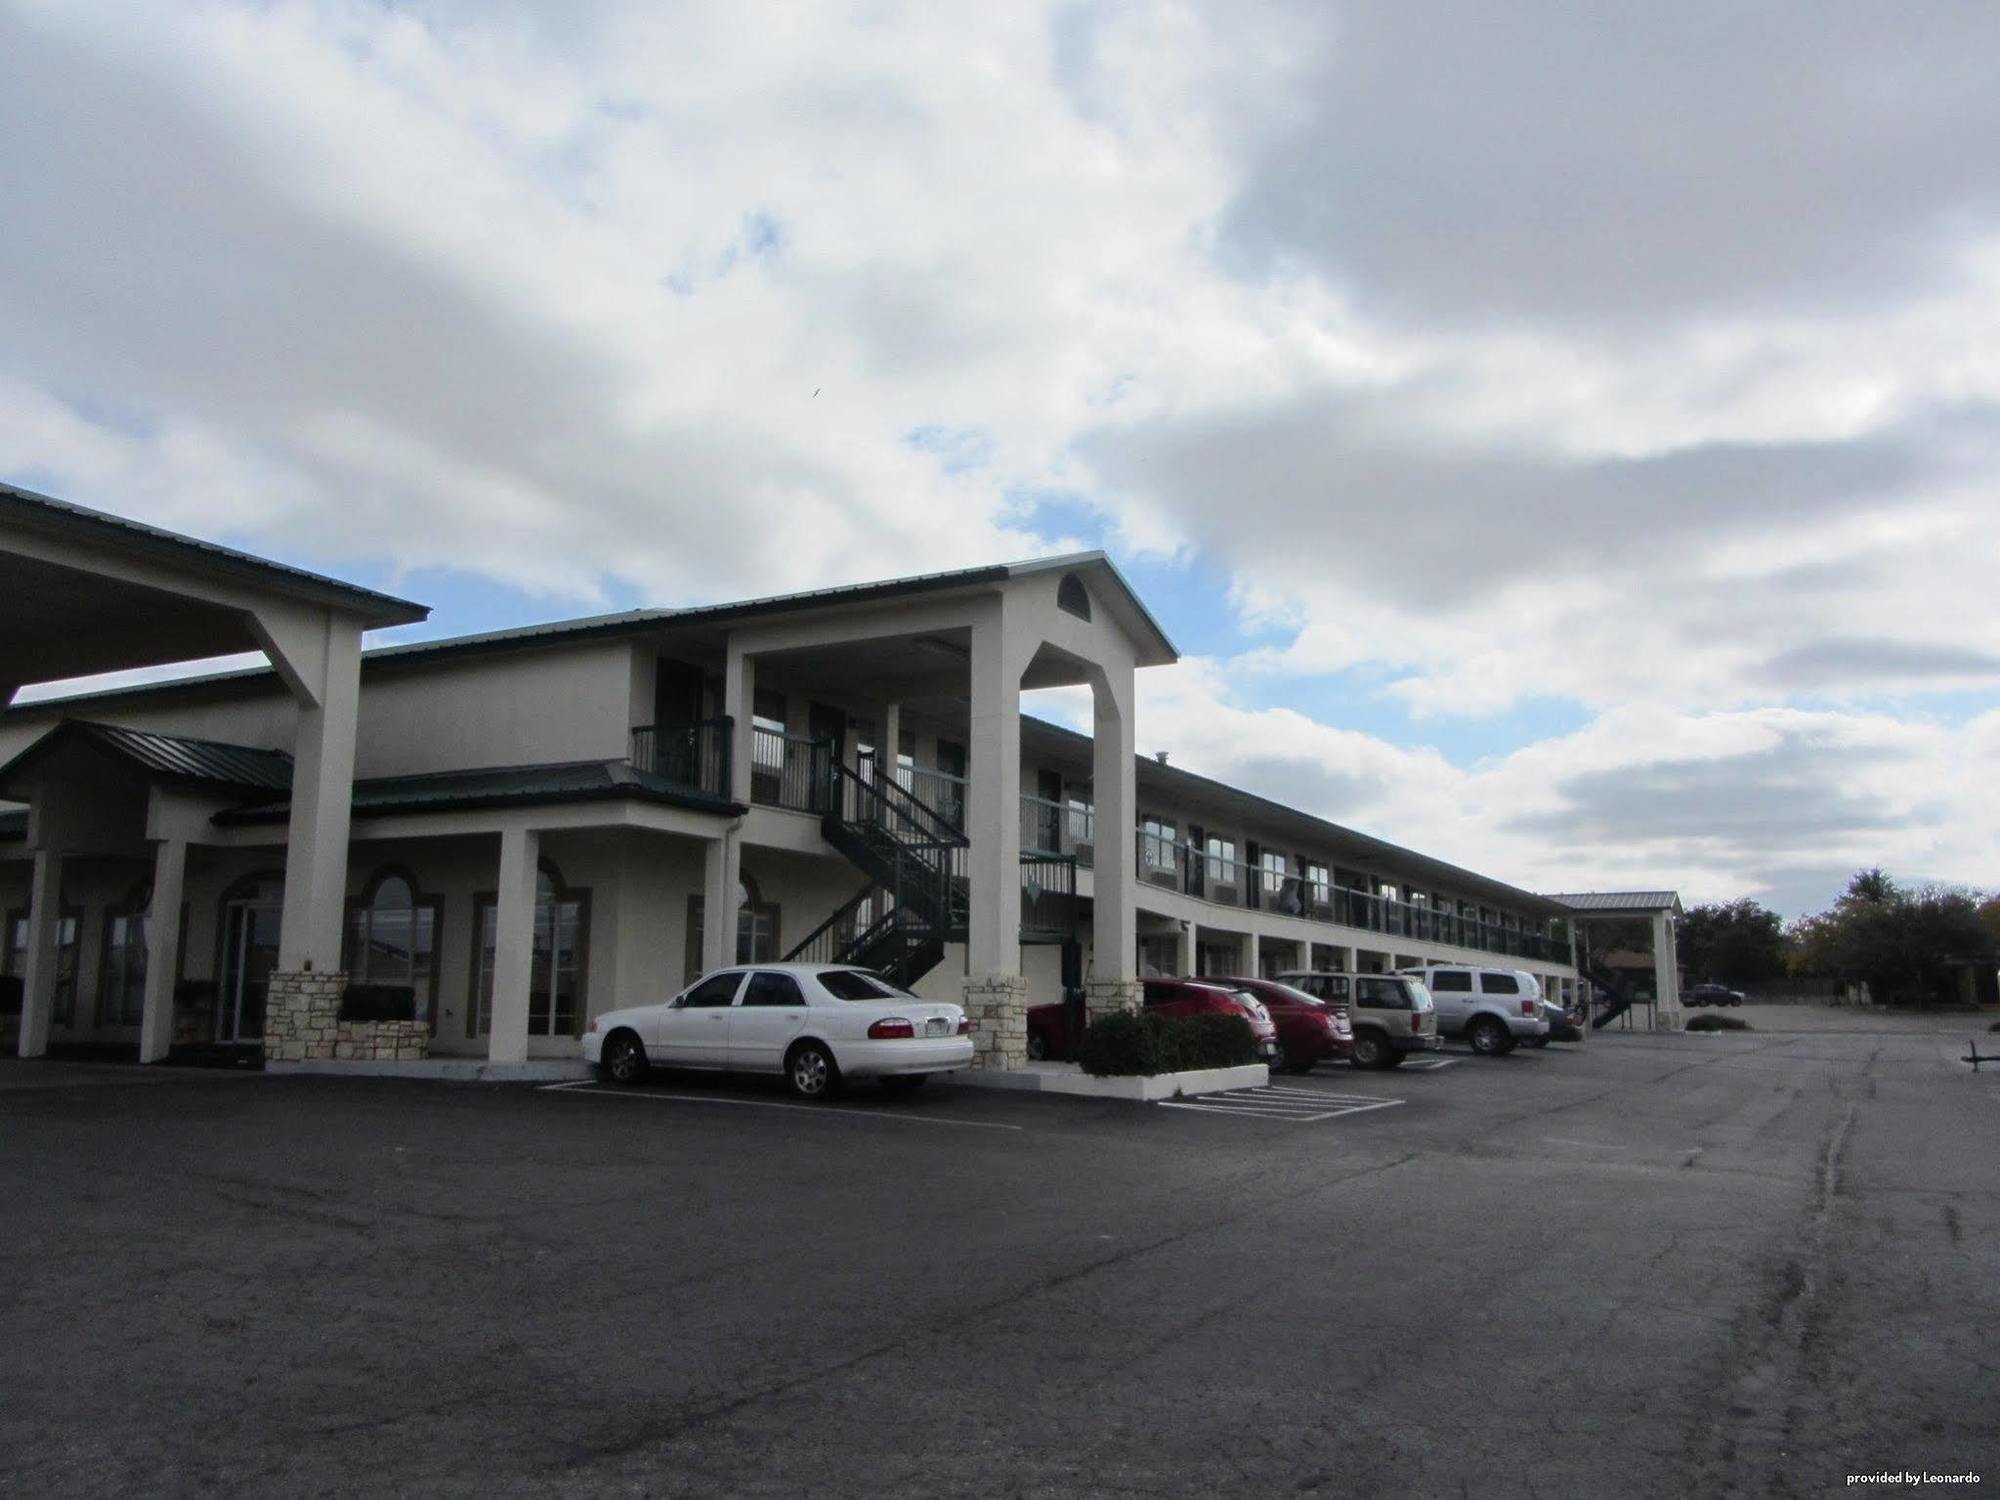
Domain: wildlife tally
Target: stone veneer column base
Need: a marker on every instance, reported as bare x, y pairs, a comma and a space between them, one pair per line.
302, 1015
1107, 997
997, 1006
302, 1024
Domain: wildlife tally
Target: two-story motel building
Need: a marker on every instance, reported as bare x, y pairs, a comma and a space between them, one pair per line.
530, 827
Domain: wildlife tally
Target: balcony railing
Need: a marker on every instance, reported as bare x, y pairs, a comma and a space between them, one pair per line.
1048, 896
1066, 828
788, 770
1226, 881
695, 756
938, 789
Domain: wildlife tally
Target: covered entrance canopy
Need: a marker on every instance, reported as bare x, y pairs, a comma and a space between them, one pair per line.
1660, 910
83, 592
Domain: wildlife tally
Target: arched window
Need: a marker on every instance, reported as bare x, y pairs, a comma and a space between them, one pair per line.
556, 970
392, 934
756, 926
757, 933
121, 984
14, 959
1072, 598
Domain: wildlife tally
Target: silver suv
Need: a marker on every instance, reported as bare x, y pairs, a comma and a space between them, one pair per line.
1493, 1009
1391, 1017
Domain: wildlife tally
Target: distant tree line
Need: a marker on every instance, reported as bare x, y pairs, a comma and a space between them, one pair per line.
1908, 943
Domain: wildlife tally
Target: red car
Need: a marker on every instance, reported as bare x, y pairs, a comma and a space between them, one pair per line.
1049, 1025
1308, 1029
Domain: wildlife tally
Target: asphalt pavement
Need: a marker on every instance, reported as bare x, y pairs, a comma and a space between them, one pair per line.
1713, 1265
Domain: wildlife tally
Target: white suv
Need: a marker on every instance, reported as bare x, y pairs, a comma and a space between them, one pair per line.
1493, 1009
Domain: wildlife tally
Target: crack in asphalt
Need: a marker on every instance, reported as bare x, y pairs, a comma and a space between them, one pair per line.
665, 1433
1776, 1341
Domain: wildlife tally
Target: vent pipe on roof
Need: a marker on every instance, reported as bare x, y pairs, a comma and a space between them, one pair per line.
1160, 756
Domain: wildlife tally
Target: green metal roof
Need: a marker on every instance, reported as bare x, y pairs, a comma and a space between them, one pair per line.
1619, 901
169, 757
639, 621
505, 786
1154, 775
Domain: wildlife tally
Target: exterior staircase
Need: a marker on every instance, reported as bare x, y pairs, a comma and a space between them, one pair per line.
1618, 997
915, 901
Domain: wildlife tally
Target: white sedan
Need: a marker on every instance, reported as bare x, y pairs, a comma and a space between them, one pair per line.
814, 1023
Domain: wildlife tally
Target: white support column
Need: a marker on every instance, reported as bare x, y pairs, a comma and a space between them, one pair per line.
722, 873
1666, 975
1349, 959
163, 949
892, 738
1256, 956
319, 658
1188, 946
739, 701
1114, 912
39, 983
513, 945
993, 814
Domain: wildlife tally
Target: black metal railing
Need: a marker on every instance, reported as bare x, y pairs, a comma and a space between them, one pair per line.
695, 756
1222, 879
880, 804
788, 770
1048, 897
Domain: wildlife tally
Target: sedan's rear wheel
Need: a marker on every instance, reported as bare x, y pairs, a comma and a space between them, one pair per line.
624, 1058
1038, 1048
810, 1071
1489, 1038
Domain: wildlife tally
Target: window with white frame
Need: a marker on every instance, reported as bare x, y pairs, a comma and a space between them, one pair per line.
1219, 860
1156, 844
62, 1007
392, 939
1276, 870
121, 980
555, 972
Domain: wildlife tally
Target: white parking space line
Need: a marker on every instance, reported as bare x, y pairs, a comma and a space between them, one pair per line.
1300, 1106
824, 1111
1429, 1063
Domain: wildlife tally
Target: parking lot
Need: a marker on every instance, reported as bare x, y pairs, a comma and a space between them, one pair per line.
1736, 1264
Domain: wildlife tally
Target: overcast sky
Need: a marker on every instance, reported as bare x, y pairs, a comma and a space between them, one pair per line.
1562, 437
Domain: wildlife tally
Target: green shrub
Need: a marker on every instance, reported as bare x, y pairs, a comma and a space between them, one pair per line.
1209, 1042
1144, 1043
1709, 1021
378, 1002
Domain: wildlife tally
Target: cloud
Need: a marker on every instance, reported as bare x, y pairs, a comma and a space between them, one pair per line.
1561, 163
1492, 353
1779, 803
1848, 662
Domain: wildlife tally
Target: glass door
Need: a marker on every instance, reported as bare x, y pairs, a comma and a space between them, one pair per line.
249, 954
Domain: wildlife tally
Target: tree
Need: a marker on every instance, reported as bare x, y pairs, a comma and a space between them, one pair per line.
1735, 942
1908, 944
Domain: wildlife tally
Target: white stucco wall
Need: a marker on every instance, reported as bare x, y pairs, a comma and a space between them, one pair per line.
558, 704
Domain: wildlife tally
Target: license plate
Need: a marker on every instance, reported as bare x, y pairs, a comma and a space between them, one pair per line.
937, 1026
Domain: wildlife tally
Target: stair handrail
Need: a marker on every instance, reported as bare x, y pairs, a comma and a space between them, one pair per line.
845, 783
845, 910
